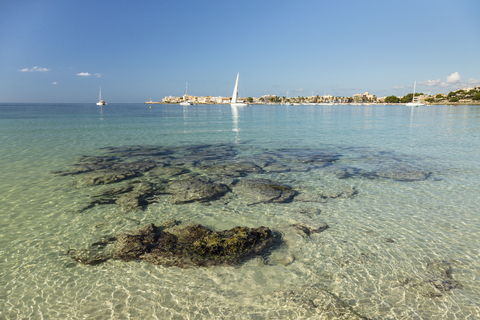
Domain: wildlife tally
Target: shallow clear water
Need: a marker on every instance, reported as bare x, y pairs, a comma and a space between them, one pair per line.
380, 255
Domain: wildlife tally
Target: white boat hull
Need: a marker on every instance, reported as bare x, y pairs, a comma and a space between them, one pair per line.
239, 104
412, 104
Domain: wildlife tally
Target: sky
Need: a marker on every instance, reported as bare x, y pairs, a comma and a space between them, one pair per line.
63, 51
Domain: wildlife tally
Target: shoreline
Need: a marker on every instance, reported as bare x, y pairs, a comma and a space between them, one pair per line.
470, 103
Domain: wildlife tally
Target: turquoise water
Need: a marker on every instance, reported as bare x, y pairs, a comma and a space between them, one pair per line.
396, 250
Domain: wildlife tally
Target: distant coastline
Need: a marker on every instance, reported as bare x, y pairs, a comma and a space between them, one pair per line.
466, 96
471, 103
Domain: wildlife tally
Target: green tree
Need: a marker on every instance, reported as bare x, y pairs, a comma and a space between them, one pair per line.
451, 94
454, 99
392, 99
476, 96
250, 99
430, 100
439, 96
407, 98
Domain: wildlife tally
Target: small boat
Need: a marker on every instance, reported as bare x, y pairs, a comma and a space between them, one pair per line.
100, 101
234, 102
415, 102
185, 102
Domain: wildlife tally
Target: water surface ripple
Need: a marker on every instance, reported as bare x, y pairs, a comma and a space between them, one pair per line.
397, 187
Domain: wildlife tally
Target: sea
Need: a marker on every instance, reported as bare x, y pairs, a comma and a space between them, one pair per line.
397, 186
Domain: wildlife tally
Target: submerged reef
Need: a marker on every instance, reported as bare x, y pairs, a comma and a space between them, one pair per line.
192, 245
434, 282
140, 175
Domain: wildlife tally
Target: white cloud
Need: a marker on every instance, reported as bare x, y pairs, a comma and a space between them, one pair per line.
454, 80
299, 90
433, 83
83, 74
54, 82
36, 68
98, 75
472, 82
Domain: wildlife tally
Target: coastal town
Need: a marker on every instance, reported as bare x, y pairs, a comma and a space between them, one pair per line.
469, 95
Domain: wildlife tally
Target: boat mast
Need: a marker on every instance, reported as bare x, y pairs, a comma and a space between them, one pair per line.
235, 90
414, 85
100, 95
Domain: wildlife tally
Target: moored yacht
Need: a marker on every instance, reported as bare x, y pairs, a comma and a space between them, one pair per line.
100, 101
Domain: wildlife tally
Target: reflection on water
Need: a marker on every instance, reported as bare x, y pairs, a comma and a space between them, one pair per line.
398, 191
235, 123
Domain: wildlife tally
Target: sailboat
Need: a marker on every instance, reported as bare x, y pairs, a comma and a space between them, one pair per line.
234, 102
185, 102
415, 102
100, 101
288, 103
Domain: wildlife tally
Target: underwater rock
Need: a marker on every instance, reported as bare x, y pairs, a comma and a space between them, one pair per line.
97, 159
300, 232
263, 191
441, 272
276, 167
107, 177
84, 168
310, 211
318, 301
137, 151
110, 194
309, 229
116, 172
198, 189
231, 169
341, 171
309, 197
131, 201
166, 172
280, 257
97, 253
438, 280
104, 172
202, 154
340, 192
300, 167
193, 245
317, 157
400, 172
440, 268
131, 196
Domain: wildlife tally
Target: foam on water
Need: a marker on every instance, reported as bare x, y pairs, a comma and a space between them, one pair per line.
396, 250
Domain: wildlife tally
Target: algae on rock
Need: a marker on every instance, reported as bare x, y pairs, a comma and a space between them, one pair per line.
193, 245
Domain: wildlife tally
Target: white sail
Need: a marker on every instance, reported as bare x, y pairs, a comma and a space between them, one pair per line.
235, 102
235, 90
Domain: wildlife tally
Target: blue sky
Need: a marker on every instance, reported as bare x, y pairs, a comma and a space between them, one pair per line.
64, 50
